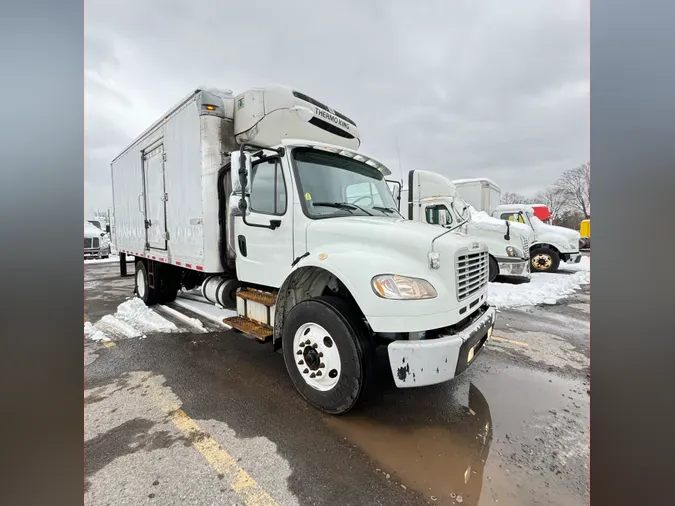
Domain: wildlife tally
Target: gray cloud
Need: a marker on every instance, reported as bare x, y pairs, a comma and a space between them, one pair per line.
492, 88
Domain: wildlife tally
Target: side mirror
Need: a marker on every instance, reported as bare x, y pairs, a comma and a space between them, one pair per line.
239, 176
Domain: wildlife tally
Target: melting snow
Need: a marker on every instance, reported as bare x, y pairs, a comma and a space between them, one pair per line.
543, 288
132, 319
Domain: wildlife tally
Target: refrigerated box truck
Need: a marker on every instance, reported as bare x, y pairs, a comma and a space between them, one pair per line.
251, 197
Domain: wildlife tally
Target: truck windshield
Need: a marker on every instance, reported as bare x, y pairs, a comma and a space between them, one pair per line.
333, 185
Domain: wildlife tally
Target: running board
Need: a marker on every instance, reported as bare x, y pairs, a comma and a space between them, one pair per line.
265, 298
258, 330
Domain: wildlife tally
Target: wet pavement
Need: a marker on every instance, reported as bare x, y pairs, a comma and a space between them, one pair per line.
182, 418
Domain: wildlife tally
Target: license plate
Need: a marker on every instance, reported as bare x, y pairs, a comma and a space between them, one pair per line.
471, 352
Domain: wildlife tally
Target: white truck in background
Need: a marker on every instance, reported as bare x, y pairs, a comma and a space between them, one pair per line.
251, 198
550, 245
435, 200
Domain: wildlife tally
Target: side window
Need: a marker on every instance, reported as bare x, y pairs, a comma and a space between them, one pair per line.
363, 194
513, 217
268, 189
433, 214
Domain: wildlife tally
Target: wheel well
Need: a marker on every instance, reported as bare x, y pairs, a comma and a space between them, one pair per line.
544, 245
306, 283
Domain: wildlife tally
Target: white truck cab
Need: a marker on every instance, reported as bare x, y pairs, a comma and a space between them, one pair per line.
259, 199
436, 200
551, 245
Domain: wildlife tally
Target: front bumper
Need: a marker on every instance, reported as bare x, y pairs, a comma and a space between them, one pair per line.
520, 268
573, 258
96, 253
430, 361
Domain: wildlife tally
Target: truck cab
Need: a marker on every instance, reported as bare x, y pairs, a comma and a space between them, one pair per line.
551, 245
437, 201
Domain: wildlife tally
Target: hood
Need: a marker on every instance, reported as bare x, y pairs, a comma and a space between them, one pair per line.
92, 230
484, 221
566, 233
407, 237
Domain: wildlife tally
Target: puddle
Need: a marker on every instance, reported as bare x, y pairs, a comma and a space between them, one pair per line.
443, 461
518, 437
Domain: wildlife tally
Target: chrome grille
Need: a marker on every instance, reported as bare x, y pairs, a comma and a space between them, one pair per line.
91, 242
472, 274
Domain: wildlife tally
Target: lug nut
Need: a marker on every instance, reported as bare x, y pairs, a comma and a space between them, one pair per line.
302, 362
299, 352
312, 375
305, 371
318, 373
307, 342
321, 354
302, 345
322, 365
314, 345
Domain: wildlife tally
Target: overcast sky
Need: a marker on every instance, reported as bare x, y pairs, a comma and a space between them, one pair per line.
469, 88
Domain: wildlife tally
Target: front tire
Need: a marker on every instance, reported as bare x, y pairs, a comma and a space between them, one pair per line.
493, 270
328, 353
544, 260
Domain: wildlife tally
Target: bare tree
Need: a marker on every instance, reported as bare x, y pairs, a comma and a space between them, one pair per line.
555, 198
575, 184
513, 198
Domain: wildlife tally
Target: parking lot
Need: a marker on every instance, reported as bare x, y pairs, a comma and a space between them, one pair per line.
211, 417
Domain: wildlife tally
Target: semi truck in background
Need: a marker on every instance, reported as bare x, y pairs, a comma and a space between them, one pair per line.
436, 200
257, 198
585, 234
551, 244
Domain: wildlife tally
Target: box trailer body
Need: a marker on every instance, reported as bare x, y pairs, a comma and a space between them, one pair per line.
257, 198
481, 193
165, 184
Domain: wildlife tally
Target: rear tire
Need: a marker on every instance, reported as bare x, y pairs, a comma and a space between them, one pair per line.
544, 260
142, 288
344, 356
494, 270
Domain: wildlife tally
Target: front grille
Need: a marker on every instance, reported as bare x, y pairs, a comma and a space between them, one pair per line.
90, 242
472, 274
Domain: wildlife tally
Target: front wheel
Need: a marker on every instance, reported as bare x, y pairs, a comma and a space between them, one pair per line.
544, 260
328, 353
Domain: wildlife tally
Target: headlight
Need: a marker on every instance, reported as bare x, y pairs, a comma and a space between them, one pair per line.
393, 286
514, 252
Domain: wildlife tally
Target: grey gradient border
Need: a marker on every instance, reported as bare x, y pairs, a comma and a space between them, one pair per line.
632, 196
41, 208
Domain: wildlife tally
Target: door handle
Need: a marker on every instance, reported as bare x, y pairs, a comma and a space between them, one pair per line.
275, 224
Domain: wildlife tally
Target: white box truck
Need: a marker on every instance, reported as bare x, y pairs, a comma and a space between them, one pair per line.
251, 197
436, 200
483, 194
549, 244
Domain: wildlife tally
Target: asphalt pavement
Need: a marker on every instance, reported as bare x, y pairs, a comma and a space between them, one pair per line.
212, 418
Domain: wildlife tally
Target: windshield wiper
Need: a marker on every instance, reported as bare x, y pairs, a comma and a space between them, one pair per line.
342, 205
387, 210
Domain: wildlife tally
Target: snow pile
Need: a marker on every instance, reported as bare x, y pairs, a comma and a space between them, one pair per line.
132, 319
543, 288
93, 334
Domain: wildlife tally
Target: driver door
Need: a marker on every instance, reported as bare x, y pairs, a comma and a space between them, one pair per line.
264, 255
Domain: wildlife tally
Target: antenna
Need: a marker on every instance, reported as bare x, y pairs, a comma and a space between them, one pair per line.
398, 153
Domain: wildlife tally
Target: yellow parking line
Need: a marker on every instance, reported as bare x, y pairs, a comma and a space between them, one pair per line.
503, 339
